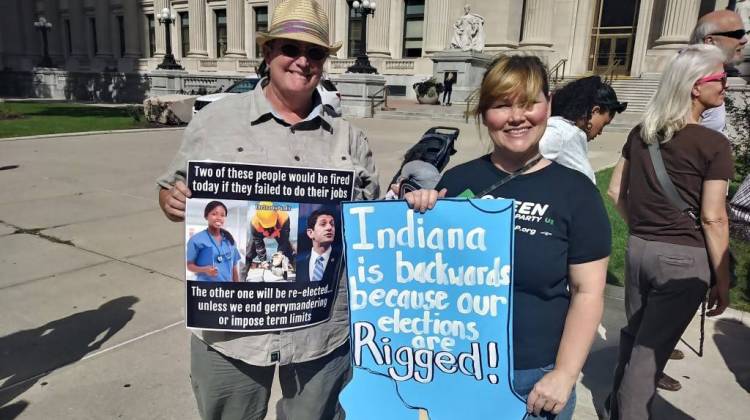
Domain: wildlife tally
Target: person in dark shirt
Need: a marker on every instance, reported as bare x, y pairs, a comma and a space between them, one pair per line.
562, 235
672, 255
450, 80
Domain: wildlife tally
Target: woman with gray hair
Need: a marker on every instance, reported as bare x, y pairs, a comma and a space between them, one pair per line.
673, 254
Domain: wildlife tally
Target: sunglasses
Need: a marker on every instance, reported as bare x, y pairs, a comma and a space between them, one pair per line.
736, 34
312, 53
716, 77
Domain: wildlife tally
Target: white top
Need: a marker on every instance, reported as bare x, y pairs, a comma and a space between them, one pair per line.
715, 118
314, 257
567, 145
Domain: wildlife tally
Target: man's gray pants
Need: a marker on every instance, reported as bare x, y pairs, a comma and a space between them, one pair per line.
228, 389
664, 286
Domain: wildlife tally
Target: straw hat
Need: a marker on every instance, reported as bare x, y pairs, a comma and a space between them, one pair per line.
300, 20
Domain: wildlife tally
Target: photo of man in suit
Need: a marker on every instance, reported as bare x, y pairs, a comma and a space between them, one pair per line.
321, 261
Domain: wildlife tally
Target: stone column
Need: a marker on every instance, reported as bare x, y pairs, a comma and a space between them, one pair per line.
197, 16
537, 24
329, 6
642, 34
131, 17
502, 25
52, 14
159, 30
2, 50
77, 29
679, 19
438, 25
341, 26
103, 39
378, 30
235, 28
10, 21
28, 31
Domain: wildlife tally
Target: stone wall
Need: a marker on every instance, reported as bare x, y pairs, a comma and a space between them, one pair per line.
109, 87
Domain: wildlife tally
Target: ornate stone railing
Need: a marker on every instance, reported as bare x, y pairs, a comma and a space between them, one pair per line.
399, 64
248, 65
342, 64
198, 82
207, 84
209, 63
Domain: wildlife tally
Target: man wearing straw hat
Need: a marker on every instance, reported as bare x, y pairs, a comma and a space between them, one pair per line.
281, 123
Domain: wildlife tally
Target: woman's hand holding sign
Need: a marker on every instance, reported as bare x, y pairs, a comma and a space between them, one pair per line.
423, 200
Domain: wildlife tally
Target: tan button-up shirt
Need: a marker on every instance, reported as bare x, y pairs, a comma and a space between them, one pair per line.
243, 128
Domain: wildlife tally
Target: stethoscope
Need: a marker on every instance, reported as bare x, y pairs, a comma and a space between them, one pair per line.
219, 258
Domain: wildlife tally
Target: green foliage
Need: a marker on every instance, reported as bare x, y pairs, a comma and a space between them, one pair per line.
54, 118
135, 112
616, 269
8, 113
738, 130
429, 87
740, 295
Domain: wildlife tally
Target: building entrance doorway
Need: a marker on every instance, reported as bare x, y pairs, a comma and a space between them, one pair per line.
612, 36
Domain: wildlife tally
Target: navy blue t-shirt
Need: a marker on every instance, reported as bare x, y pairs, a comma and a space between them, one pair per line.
560, 220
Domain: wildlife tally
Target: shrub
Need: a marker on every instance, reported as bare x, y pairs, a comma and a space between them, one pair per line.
136, 112
738, 130
429, 87
7, 112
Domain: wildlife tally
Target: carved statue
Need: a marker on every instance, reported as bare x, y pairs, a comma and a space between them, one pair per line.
468, 32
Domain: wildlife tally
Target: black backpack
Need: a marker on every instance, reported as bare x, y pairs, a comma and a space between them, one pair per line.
435, 147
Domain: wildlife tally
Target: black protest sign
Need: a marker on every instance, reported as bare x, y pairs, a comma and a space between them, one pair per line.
263, 245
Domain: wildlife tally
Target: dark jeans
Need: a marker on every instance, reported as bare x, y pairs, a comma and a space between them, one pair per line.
230, 389
664, 286
524, 381
447, 94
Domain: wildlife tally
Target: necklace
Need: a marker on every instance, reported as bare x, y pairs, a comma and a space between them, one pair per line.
512, 175
219, 257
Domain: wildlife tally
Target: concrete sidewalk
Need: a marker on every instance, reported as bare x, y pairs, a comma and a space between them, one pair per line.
92, 292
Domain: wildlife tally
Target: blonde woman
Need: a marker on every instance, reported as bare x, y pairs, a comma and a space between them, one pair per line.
672, 256
560, 259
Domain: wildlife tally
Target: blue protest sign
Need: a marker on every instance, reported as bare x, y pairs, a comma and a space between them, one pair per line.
430, 298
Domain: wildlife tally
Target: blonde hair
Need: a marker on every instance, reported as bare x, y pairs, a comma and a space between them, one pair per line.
518, 78
669, 109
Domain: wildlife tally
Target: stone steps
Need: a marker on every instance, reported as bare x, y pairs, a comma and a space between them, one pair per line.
636, 92
424, 112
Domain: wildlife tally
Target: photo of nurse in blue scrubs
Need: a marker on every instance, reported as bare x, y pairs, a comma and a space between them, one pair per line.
211, 253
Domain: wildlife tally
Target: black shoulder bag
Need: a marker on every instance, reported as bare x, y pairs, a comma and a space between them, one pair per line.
654, 149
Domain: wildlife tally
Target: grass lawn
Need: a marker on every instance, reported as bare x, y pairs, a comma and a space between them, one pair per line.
740, 295
53, 118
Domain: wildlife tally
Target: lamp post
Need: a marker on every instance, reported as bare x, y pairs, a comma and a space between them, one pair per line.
43, 26
167, 18
362, 65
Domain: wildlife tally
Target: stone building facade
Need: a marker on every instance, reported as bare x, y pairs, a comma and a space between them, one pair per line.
214, 39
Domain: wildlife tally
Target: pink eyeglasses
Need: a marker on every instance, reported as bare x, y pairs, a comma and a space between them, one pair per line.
716, 77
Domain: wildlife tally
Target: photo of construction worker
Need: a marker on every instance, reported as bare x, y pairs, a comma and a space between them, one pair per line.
321, 261
272, 237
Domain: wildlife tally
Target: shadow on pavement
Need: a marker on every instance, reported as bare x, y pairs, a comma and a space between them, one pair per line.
29, 355
733, 341
598, 374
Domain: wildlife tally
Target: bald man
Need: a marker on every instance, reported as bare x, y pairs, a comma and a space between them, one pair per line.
723, 28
